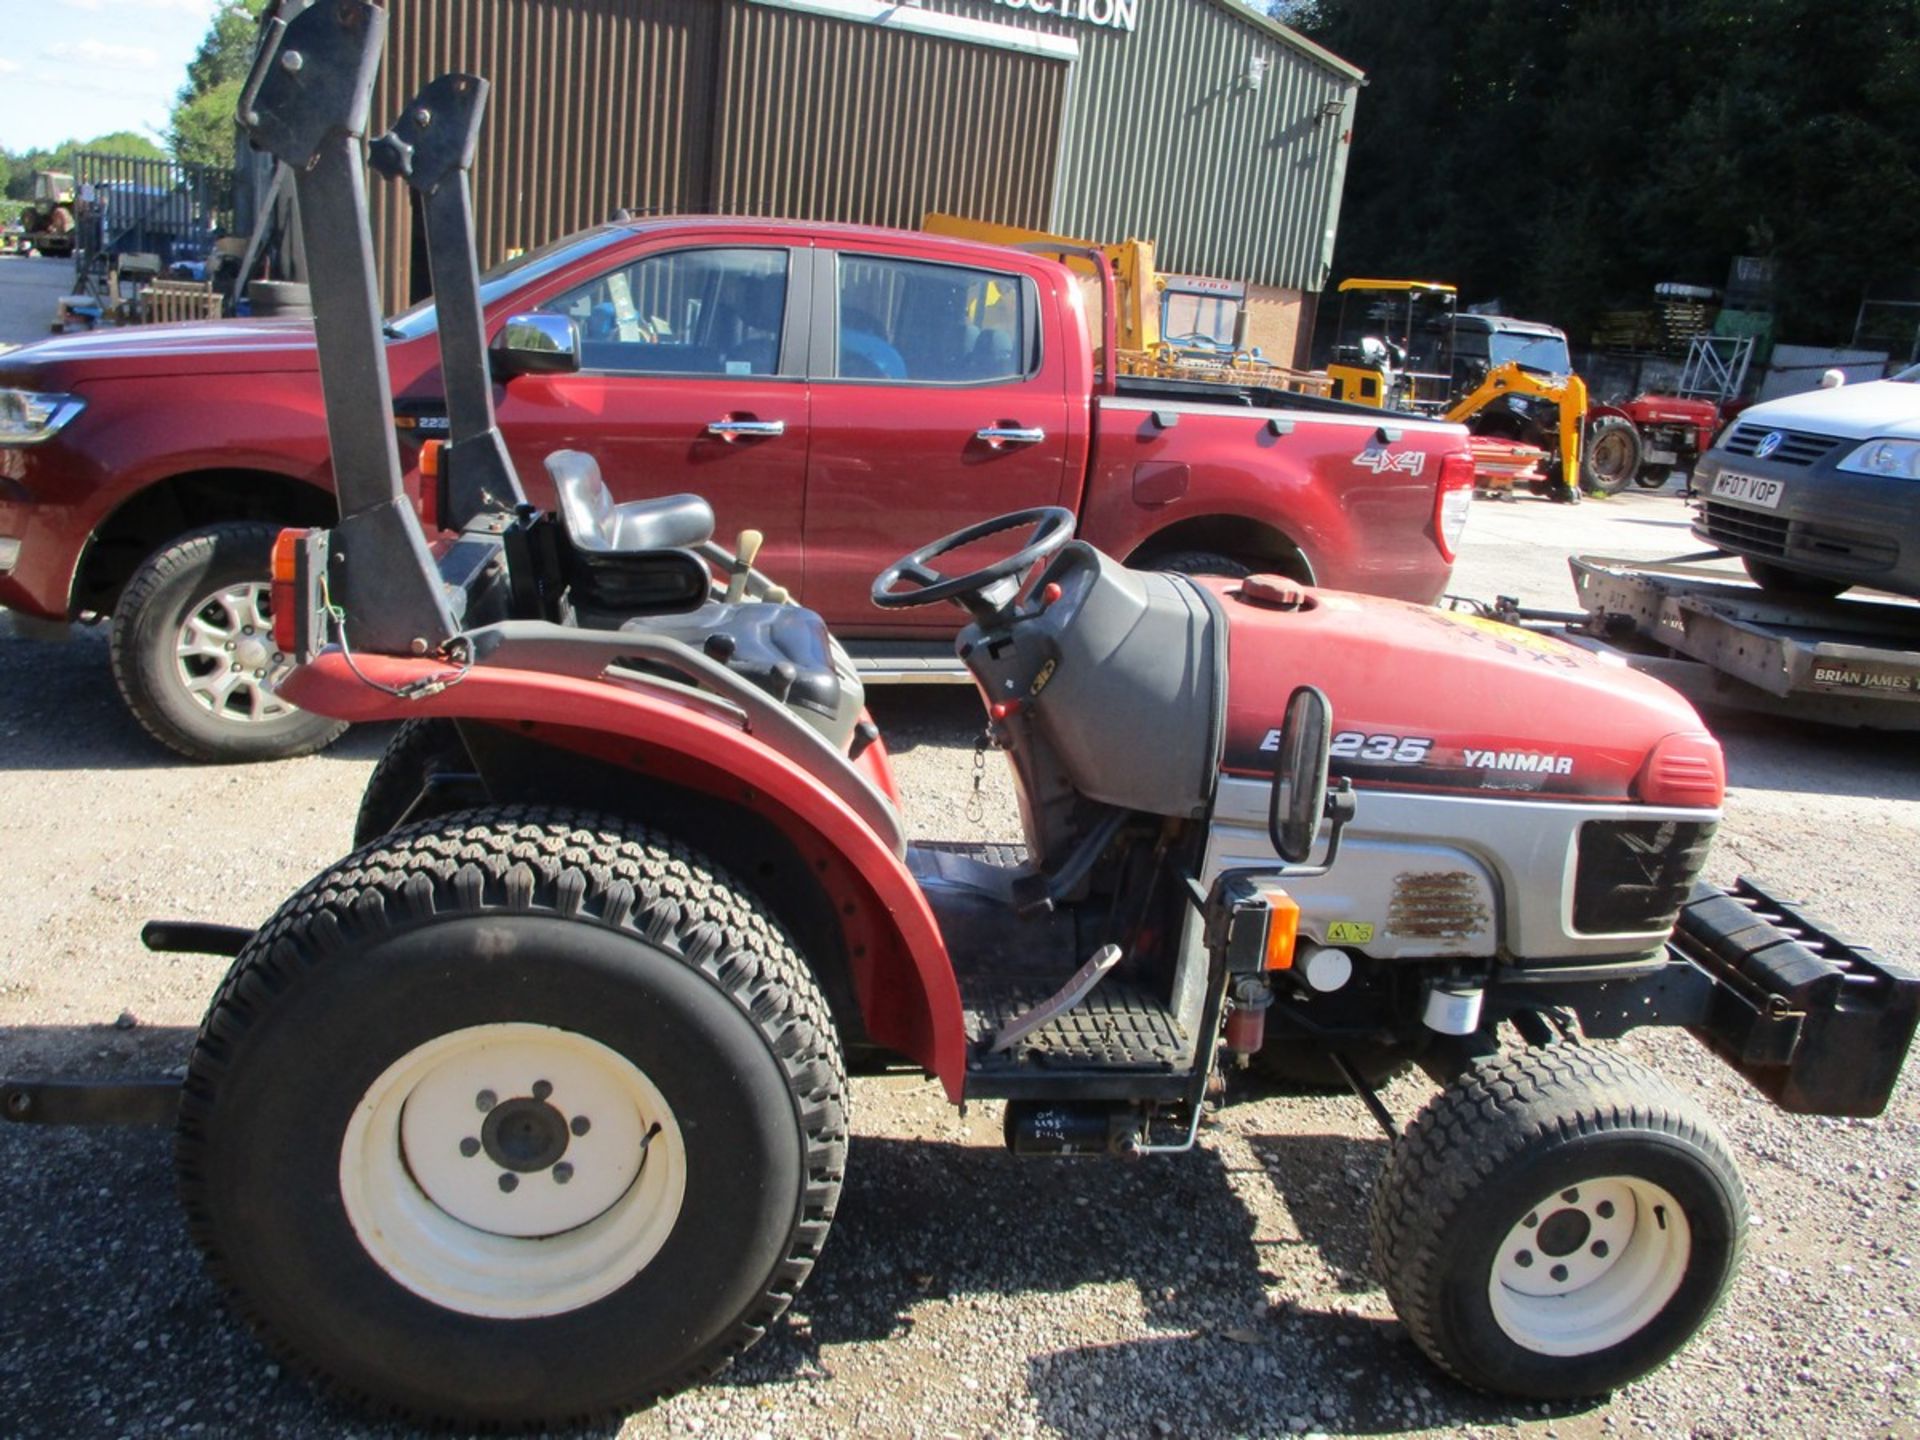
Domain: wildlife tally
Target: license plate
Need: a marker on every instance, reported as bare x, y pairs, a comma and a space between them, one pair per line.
1750, 488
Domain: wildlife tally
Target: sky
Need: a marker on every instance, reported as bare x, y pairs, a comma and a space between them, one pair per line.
74, 69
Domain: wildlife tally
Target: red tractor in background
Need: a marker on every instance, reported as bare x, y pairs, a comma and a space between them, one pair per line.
1662, 433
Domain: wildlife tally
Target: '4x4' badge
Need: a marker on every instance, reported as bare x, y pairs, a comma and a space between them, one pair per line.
1381, 460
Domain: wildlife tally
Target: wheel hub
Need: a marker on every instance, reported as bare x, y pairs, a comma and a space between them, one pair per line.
513, 1169
1590, 1265
225, 655
524, 1135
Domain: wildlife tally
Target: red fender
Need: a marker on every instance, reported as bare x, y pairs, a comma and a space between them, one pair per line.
902, 975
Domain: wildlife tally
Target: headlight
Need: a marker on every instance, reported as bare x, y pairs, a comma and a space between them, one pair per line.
1899, 459
27, 416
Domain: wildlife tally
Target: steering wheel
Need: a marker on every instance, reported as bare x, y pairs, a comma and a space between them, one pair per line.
1052, 528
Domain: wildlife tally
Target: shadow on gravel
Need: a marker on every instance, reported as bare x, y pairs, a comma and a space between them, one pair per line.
113, 1327
60, 710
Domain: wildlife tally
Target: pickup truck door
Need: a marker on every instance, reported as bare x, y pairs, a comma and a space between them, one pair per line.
935, 404
692, 378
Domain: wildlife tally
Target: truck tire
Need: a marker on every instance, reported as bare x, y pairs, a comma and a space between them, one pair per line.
1611, 456
1200, 562
521, 1121
192, 649
1778, 580
1557, 1222
419, 750
1653, 477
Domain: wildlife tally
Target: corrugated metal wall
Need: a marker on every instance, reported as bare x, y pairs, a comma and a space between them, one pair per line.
705, 105
1168, 142
596, 104
823, 120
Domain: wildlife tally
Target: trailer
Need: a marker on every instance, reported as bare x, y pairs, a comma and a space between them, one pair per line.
1725, 643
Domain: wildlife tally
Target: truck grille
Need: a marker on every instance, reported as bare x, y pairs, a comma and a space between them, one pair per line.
1795, 448
1633, 875
1747, 532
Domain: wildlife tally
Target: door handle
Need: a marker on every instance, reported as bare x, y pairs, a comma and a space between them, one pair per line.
998, 435
734, 429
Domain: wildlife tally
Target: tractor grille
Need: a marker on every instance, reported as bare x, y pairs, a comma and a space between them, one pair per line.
1748, 532
1633, 875
1795, 448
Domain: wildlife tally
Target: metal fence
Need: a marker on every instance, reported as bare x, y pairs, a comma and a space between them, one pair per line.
158, 207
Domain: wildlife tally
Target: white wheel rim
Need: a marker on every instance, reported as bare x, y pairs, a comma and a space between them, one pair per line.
513, 1170
226, 657
1590, 1266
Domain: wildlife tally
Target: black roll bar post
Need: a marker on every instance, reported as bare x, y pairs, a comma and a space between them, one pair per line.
431, 147
305, 102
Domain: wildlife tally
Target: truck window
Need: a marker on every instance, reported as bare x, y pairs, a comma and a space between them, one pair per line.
714, 311
908, 322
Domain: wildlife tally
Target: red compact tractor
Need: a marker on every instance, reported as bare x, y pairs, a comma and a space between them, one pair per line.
534, 1107
1660, 433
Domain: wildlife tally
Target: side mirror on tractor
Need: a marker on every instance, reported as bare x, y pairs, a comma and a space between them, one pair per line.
1300, 790
536, 345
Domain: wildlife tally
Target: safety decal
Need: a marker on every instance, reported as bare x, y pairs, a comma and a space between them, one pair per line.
1350, 932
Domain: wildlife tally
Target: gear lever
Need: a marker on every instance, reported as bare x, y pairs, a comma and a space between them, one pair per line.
745, 550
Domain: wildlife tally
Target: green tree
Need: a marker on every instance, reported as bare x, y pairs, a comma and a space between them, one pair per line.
1565, 156
201, 126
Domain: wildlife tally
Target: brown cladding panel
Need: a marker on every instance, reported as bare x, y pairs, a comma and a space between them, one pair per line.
596, 104
822, 120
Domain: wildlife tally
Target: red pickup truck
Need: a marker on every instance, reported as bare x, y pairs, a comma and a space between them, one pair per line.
844, 390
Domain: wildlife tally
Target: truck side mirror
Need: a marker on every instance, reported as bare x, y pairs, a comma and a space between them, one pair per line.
1300, 775
536, 344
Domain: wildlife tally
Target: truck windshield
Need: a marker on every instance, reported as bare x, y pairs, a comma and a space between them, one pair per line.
1544, 353
1911, 375
512, 274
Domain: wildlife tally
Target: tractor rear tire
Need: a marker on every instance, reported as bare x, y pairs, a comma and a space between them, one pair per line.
396, 791
379, 1101
194, 655
1778, 580
1557, 1222
1611, 457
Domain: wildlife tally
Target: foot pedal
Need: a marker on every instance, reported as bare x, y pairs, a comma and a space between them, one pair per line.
1056, 1005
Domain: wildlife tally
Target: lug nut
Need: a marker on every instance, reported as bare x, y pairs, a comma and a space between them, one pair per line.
509, 1183
581, 1124
541, 1089
562, 1173
485, 1101
469, 1147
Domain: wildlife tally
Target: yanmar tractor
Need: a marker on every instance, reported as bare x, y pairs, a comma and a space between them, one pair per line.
535, 1106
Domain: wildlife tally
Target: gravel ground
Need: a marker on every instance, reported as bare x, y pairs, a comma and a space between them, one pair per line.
963, 1292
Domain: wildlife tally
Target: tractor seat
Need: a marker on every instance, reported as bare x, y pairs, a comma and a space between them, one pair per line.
598, 527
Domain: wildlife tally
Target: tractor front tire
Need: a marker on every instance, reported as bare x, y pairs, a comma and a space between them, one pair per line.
1557, 1222
194, 655
523, 1120
1611, 456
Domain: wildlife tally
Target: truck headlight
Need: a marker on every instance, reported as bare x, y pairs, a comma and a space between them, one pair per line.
1898, 459
29, 416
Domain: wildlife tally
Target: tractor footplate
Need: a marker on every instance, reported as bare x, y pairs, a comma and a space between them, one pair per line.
1121, 1033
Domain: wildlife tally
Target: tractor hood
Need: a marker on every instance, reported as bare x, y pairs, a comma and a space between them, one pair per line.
202, 348
1441, 700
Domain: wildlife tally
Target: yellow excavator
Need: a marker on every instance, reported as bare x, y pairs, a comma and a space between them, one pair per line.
1402, 344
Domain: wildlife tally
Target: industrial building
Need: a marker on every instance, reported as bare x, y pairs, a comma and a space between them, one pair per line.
1197, 124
